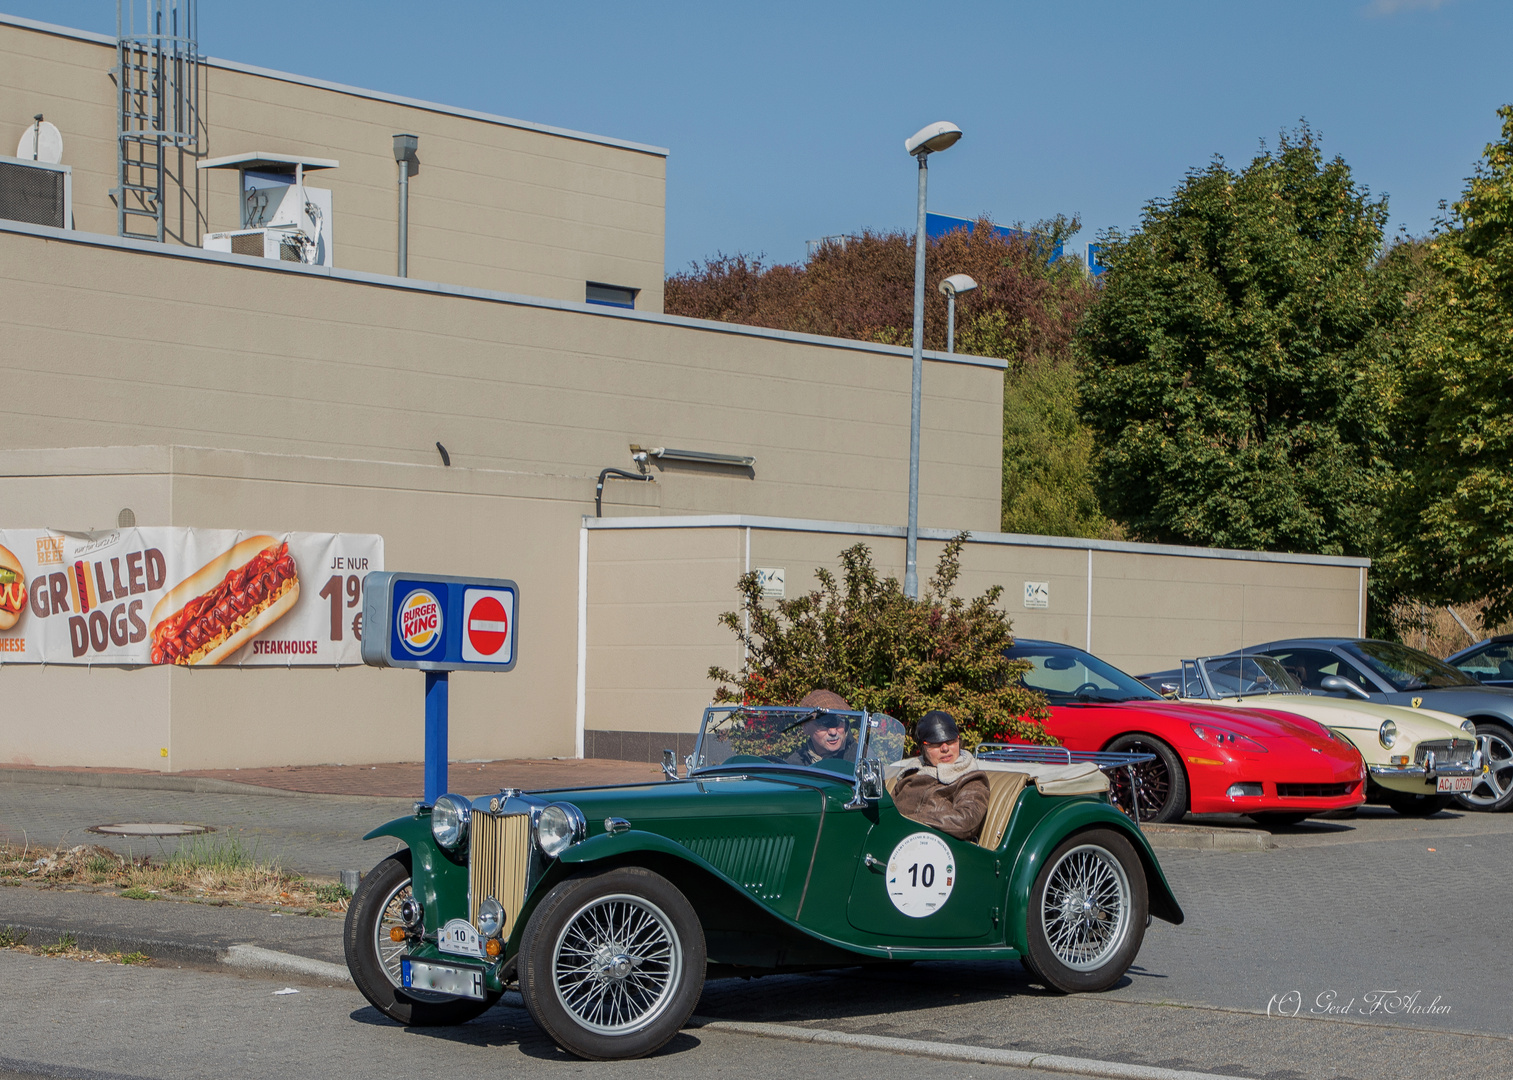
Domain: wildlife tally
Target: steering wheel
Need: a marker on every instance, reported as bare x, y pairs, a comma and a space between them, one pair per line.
1091, 688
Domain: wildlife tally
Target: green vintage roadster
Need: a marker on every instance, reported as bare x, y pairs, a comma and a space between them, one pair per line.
606, 906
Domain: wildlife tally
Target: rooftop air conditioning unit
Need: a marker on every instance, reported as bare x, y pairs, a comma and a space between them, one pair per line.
37, 192
285, 245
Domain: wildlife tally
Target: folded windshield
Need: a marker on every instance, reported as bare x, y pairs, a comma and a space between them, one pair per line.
1408, 669
813, 738
1070, 676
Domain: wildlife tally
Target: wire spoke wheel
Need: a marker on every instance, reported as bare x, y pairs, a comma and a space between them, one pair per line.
390, 952
616, 964
1086, 907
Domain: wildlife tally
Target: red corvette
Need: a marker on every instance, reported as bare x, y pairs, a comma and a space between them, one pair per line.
1274, 766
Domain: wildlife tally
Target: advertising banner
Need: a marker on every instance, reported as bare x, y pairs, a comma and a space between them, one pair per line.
193, 597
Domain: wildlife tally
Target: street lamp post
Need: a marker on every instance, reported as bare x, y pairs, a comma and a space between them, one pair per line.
949, 288
924, 142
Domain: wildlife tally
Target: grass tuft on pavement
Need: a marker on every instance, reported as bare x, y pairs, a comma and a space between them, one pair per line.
218, 868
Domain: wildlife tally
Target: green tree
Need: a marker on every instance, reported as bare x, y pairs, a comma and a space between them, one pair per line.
1230, 370
861, 637
1454, 504
1025, 310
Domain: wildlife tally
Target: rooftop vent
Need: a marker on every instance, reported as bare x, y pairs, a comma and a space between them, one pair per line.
36, 192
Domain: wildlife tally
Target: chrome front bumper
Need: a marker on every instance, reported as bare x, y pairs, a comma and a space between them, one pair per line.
1429, 769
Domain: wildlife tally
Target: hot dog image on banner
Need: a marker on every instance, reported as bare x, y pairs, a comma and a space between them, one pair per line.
183, 597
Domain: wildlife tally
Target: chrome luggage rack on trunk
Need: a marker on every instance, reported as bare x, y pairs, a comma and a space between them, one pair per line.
1059, 755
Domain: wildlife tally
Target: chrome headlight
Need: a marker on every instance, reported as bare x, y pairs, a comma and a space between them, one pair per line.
1469, 728
449, 821
559, 827
490, 917
1388, 733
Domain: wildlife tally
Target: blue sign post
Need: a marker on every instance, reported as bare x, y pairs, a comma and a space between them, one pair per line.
439, 624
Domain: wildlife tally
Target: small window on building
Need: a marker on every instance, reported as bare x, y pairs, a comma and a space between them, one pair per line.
610, 295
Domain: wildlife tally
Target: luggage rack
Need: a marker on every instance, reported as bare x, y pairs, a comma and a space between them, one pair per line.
1107, 761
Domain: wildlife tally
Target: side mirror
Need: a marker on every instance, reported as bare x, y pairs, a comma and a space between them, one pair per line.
669, 765
1338, 684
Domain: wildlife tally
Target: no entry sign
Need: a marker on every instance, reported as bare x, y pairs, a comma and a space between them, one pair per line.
439, 623
489, 616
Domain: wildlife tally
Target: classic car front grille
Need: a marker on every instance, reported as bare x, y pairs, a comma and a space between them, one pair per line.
758, 863
1446, 751
499, 857
1314, 791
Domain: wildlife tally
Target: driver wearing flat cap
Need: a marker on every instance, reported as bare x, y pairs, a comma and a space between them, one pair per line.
944, 786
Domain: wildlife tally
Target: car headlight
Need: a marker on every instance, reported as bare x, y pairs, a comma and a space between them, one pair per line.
1388, 733
490, 918
449, 821
1469, 727
1227, 740
559, 827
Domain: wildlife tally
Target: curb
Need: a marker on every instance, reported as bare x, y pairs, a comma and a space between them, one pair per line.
270, 961
1206, 838
200, 785
252, 959
980, 1055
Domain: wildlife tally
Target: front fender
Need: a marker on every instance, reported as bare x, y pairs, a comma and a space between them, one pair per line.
1074, 817
434, 873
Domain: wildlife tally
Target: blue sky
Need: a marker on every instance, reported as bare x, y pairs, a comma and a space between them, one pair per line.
786, 121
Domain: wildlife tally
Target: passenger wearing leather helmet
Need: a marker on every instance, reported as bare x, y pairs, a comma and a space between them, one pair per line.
826, 734
944, 786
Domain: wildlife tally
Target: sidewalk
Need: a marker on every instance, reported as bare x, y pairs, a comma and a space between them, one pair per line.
400, 779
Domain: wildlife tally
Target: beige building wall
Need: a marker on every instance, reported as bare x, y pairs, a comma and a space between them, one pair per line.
656, 590
496, 203
114, 343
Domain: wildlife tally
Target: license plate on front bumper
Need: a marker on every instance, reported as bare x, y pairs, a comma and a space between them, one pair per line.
1455, 783
441, 978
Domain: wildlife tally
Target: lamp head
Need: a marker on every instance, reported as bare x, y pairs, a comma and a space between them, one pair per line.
932, 138
956, 284
404, 147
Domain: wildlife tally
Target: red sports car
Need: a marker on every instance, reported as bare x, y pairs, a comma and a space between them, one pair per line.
1272, 765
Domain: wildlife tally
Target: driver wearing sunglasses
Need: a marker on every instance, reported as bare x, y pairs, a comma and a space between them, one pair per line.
826, 734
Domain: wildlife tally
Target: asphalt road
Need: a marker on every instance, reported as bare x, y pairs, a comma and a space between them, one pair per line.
1374, 931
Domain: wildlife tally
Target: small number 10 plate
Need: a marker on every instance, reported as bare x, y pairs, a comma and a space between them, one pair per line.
459, 936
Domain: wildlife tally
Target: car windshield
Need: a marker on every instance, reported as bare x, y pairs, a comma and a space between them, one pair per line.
1245, 676
1408, 669
817, 738
1069, 676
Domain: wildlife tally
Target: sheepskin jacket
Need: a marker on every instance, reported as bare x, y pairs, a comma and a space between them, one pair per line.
952, 798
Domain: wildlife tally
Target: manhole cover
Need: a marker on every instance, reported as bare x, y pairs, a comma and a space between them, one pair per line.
150, 828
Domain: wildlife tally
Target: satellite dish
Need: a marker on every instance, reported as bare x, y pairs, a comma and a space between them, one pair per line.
41, 141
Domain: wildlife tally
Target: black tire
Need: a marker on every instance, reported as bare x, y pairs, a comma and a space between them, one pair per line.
1276, 819
374, 961
576, 1000
1085, 953
1163, 782
1494, 788
1413, 804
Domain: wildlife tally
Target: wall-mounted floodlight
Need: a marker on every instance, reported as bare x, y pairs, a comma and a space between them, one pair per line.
956, 283
404, 153
703, 457
928, 140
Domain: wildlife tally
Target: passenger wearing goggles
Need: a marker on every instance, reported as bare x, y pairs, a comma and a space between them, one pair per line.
826, 734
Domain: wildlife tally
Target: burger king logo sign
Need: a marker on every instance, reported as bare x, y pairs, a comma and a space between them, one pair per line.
419, 621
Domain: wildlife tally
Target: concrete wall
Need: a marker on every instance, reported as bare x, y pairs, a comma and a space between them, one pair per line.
656, 590
117, 343
496, 204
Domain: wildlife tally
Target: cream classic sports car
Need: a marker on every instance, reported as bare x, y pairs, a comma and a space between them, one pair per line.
1419, 759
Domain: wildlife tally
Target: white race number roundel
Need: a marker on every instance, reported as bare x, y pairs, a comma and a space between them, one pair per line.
921, 875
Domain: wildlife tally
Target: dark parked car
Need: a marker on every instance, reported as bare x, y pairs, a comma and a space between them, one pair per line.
1388, 672
1489, 662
